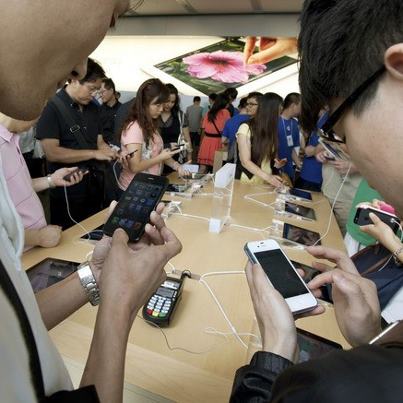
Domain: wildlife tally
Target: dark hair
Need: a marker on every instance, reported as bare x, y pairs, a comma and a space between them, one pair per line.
196, 99
173, 90
242, 102
291, 98
341, 44
231, 93
212, 96
109, 84
148, 91
220, 102
263, 127
255, 94
94, 72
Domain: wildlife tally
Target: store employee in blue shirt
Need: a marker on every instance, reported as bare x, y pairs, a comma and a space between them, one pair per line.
288, 133
311, 171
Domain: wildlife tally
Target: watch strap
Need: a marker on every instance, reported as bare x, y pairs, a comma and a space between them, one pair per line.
89, 283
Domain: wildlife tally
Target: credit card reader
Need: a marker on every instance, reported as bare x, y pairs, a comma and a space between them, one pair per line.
161, 306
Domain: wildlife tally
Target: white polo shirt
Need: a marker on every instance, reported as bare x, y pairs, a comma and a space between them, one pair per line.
15, 377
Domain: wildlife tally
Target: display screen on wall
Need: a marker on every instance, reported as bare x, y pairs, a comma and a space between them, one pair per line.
223, 64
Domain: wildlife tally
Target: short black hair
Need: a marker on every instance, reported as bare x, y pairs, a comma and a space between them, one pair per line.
109, 84
242, 102
94, 72
196, 99
213, 96
341, 44
254, 94
291, 98
231, 93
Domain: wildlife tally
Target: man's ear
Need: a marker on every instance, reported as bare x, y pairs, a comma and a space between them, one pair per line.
394, 61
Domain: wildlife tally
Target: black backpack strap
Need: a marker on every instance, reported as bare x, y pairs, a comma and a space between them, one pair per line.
74, 127
86, 394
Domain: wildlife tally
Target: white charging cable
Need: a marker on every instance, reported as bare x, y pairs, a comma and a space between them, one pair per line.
86, 232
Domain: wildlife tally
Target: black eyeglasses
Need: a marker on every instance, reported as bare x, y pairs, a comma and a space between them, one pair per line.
251, 104
327, 131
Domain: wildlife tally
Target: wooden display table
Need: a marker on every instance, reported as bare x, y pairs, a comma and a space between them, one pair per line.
198, 366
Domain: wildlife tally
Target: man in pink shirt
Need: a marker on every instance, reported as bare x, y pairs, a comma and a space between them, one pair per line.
23, 189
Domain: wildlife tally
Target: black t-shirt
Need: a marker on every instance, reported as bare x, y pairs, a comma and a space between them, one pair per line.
53, 125
108, 114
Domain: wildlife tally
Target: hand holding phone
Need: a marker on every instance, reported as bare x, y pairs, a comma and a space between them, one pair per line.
281, 274
132, 213
69, 176
362, 217
275, 320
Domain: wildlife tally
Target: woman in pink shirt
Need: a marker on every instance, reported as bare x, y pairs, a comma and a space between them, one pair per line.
140, 134
213, 125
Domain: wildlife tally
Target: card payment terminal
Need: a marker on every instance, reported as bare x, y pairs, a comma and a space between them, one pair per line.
161, 306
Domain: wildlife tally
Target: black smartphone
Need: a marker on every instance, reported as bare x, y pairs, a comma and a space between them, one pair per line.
362, 217
178, 147
68, 177
132, 213
130, 154
177, 187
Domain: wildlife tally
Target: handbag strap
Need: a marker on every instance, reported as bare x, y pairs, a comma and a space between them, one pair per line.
74, 128
218, 131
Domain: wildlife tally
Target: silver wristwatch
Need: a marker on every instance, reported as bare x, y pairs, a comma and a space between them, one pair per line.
89, 283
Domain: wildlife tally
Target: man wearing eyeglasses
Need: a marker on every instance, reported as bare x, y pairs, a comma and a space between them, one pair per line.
352, 61
71, 135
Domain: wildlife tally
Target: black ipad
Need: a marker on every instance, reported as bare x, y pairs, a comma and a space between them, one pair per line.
49, 272
312, 346
300, 210
303, 194
300, 235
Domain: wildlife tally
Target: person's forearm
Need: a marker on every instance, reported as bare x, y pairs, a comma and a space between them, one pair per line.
60, 300
106, 360
254, 169
295, 158
186, 135
40, 184
31, 237
101, 144
143, 165
172, 164
394, 245
310, 151
69, 155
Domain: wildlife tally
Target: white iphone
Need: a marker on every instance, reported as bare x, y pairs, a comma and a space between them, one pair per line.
281, 274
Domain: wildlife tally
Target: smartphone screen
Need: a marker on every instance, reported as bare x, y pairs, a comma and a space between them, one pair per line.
300, 193
300, 235
280, 273
133, 211
300, 210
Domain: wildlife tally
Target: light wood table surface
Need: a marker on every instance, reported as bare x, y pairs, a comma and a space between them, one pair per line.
198, 366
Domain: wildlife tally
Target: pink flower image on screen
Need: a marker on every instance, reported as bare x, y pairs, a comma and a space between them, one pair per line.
227, 67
